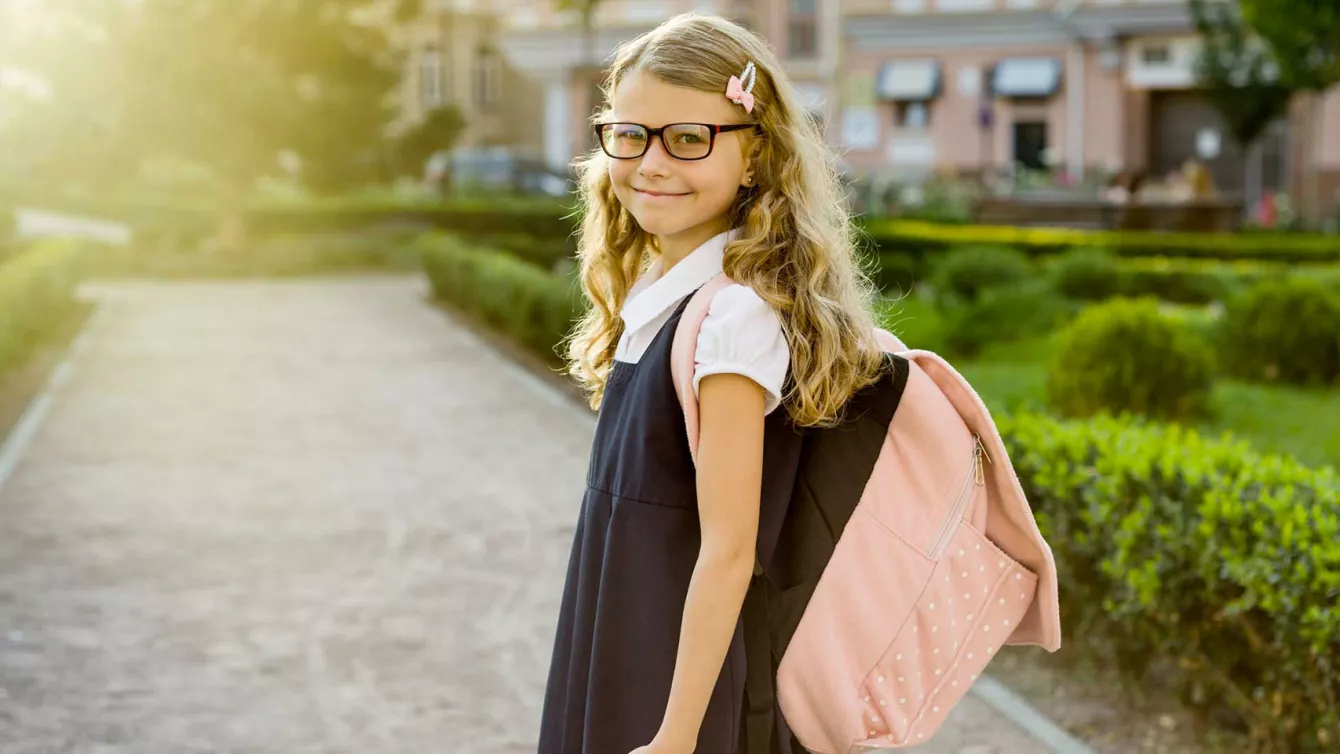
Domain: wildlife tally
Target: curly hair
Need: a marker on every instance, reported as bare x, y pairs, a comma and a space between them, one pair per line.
797, 246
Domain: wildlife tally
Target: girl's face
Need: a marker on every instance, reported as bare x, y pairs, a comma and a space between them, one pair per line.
681, 202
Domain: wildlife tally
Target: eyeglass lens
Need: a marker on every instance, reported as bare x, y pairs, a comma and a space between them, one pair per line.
683, 140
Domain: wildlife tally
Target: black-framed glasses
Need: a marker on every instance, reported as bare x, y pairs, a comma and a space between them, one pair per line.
683, 141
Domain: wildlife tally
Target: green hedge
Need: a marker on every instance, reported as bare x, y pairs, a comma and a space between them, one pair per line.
530, 304
542, 251
1202, 552
545, 218
1176, 280
160, 221
921, 238
36, 291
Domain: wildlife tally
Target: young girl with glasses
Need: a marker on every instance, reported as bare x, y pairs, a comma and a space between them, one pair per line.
708, 162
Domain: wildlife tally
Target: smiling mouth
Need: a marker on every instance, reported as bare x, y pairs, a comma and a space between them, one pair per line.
656, 193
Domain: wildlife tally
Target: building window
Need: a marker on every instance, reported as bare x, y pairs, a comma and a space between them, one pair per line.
802, 34
487, 75
913, 115
1030, 144
1156, 55
430, 79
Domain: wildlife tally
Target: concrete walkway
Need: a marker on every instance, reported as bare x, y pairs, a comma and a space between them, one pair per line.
295, 516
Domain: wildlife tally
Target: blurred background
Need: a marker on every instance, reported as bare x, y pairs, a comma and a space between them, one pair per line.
284, 286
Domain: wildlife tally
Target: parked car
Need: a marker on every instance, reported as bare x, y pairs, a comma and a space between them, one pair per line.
497, 169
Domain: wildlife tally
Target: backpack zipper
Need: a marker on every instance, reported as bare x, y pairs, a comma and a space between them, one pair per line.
975, 477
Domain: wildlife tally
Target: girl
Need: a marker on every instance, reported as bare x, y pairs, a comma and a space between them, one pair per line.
708, 162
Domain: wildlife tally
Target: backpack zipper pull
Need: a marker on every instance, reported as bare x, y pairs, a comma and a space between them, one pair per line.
977, 452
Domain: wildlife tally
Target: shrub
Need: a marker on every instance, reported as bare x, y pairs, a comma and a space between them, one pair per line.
538, 216
1169, 545
1124, 355
533, 306
36, 290
899, 272
541, 251
966, 272
1087, 275
1181, 286
1001, 315
923, 237
914, 321
1286, 330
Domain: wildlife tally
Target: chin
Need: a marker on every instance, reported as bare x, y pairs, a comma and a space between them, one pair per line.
659, 225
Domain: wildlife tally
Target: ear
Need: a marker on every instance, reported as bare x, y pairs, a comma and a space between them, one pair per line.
747, 178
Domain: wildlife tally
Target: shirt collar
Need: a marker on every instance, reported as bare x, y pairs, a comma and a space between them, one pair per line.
654, 293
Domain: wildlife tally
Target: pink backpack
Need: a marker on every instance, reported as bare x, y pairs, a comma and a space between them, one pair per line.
935, 561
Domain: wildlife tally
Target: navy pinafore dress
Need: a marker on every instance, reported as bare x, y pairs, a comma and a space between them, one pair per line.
633, 554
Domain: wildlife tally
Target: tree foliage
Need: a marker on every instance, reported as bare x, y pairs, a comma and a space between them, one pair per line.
1237, 73
1303, 36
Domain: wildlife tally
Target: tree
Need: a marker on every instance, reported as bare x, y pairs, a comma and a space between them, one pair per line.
231, 84
437, 132
56, 116
1304, 40
1241, 79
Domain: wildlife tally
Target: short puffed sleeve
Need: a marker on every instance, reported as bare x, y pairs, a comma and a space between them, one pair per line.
741, 334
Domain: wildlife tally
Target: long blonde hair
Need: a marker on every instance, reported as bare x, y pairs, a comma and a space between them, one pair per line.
797, 245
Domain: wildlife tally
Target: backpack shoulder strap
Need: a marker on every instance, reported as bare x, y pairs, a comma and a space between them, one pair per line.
682, 354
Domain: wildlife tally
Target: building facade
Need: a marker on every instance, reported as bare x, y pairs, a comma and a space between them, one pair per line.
909, 88
454, 57
1106, 85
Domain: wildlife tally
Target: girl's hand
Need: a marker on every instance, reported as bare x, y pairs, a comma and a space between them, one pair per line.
657, 747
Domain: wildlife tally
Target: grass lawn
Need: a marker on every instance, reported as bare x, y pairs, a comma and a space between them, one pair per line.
1012, 376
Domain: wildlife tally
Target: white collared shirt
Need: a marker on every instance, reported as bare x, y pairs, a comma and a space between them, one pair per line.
740, 335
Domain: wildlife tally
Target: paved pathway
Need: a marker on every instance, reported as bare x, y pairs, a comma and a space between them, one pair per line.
295, 516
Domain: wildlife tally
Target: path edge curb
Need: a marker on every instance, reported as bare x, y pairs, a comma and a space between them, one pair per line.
21, 435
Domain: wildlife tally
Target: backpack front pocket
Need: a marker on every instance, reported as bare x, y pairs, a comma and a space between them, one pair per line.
974, 600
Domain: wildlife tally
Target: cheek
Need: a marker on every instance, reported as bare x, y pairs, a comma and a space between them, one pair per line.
619, 172
718, 183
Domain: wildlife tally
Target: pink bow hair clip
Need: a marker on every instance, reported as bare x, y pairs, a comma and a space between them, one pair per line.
740, 94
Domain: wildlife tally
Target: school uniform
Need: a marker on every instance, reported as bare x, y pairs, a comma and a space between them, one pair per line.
638, 535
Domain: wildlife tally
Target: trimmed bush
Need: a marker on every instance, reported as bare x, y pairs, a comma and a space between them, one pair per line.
919, 238
1123, 355
915, 321
1078, 274
897, 272
36, 291
1005, 314
966, 272
541, 251
1087, 275
533, 306
1181, 286
1284, 330
1204, 553
541, 217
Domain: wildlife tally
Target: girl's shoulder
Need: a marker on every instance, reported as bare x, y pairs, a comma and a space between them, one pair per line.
743, 334
738, 312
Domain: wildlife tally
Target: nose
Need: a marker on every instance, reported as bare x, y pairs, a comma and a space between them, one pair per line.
656, 161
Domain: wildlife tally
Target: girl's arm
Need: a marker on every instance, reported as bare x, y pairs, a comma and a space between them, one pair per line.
730, 476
